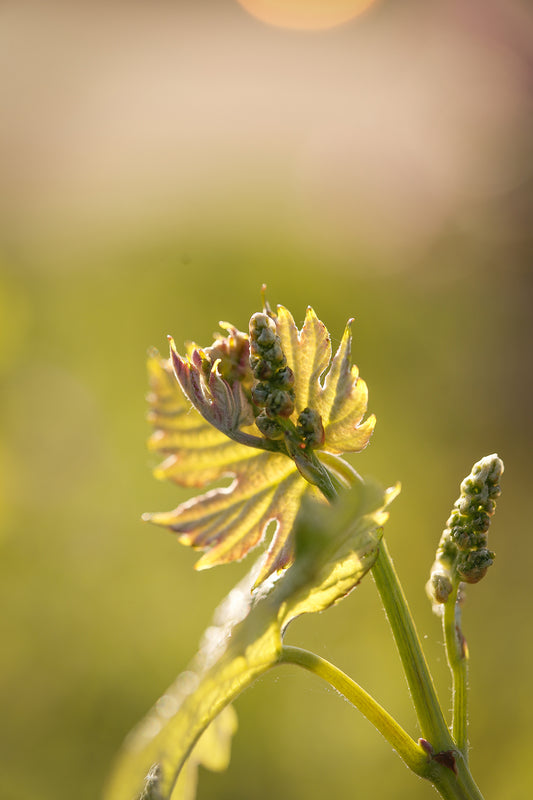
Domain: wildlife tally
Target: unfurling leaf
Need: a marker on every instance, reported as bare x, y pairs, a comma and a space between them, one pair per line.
278, 439
336, 546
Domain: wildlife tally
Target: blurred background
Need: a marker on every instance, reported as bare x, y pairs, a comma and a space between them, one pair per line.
160, 161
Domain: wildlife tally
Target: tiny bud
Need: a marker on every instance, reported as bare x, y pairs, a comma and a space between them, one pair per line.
467, 536
262, 369
439, 587
446, 551
266, 338
490, 507
274, 353
475, 564
463, 504
270, 428
489, 469
310, 427
259, 322
280, 403
481, 522
260, 393
425, 745
284, 378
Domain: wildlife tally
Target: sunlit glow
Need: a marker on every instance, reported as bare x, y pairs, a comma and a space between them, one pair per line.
305, 14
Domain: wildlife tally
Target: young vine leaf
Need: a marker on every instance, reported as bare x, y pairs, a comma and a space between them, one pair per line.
272, 412
335, 546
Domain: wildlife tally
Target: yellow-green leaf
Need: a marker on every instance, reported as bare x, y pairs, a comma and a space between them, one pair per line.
212, 751
339, 395
225, 522
239, 648
336, 546
202, 413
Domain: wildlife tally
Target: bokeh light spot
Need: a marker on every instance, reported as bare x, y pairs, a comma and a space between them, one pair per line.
305, 14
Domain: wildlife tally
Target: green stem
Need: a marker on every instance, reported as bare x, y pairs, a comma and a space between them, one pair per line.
457, 655
411, 752
450, 785
429, 712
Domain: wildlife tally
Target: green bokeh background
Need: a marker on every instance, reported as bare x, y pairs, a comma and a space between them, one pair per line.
100, 611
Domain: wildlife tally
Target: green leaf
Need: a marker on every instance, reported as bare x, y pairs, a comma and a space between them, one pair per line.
238, 647
336, 546
216, 439
212, 751
225, 522
340, 395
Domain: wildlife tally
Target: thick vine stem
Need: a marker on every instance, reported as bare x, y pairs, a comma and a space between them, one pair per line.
457, 785
450, 775
457, 655
432, 723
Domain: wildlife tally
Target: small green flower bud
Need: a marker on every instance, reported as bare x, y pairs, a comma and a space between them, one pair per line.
474, 565
266, 338
466, 538
464, 504
260, 393
259, 322
439, 587
446, 551
495, 491
488, 470
274, 354
270, 428
284, 378
280, 403
481, 522
310, 427
490, 507
262, 370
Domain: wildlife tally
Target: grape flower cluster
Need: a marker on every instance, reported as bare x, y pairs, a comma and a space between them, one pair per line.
462, 554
